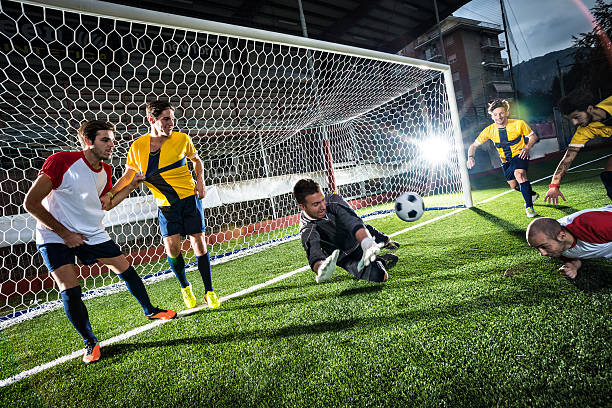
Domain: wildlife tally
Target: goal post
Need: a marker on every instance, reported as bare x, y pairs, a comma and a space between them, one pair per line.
263, 110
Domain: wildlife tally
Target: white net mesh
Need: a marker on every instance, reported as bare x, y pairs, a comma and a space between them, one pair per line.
261, 115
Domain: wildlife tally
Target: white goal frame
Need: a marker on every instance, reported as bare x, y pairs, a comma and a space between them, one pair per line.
20, 228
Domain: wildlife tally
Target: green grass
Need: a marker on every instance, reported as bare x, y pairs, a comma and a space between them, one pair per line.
470, 316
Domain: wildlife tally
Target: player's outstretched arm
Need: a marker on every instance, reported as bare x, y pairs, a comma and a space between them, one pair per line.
471, 151
125, 191
369, 247
325, 269
33, 204
126, 178
554, 192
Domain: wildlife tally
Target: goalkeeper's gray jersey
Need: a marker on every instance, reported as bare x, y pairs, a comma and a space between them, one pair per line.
320, 237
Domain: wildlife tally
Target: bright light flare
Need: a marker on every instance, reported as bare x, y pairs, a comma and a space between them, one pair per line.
435, 149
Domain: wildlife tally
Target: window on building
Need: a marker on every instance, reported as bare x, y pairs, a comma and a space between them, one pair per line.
452, 58
455, 75
450, 40
458, 94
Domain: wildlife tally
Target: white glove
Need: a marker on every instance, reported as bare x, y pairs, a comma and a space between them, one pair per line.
370, 250
327, 267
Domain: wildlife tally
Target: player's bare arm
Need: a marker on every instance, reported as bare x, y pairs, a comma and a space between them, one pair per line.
125, 191
198, 167
524, 154
33, 204
554, 192
471, 151
126, 178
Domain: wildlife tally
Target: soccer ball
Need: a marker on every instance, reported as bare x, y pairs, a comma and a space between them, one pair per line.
409, 206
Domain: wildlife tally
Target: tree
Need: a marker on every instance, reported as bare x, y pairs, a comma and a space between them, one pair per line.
593, 57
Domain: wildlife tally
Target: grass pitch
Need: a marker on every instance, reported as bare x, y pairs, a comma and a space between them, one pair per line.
470, 316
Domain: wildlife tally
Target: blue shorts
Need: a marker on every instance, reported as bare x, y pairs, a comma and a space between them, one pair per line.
514, 163
57, 255
186, 217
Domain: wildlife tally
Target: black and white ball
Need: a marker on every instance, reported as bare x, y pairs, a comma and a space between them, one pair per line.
409, 206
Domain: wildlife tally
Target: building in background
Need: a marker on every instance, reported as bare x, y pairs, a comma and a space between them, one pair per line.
473, 50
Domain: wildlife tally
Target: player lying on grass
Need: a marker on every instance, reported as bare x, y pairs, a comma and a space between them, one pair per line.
161, 155
65, 200
332, 233
592, 120
582, 235
513, 139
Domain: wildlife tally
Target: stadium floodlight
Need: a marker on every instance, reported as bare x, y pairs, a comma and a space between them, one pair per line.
263, 109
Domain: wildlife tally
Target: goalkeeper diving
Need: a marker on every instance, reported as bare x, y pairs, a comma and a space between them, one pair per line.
333, 234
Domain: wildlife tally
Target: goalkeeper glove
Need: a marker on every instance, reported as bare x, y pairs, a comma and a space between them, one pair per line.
327, 267
370, 250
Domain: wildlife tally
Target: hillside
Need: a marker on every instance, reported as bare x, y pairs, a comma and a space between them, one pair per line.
537, 74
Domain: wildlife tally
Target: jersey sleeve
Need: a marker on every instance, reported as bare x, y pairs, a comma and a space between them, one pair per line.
311, 241
132, 159
592, 226
484, 135
190, 150
525, 129
345, 214
54, 167
582, 135
109, 178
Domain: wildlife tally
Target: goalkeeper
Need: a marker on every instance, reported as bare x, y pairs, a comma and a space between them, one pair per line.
332, 233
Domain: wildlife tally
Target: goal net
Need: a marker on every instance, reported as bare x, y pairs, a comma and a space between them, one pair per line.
262, 109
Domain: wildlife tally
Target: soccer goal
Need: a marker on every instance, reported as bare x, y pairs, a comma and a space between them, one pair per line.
263, 110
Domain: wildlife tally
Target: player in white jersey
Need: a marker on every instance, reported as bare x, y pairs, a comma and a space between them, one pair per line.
582, 235
65, 200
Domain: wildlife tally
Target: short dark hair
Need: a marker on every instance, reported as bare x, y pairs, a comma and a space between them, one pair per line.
577, 100
498, 103
156, 107
546, 225
90, 128
305, 187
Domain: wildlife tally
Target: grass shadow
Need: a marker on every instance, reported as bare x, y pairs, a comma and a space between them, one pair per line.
593, 276
563, 208
475, 305
511, 228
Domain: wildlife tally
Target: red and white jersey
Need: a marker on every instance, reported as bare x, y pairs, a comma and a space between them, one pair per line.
592, 230
75, 198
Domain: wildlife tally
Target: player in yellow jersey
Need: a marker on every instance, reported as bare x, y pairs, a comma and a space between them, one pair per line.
513, 139
161, 155
592, 120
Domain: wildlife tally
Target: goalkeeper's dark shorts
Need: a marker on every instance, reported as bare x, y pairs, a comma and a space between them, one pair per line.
375, 272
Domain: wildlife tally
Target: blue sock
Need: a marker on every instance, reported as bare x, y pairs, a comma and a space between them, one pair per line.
606, 179
77, 313
526, 192
137, 289
178, 267
204, 268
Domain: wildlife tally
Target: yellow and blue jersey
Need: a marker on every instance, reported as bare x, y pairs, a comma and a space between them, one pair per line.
602, 129
166, 171
509, 140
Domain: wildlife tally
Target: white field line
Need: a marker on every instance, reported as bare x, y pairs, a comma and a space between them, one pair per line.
141, 329
149, 326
